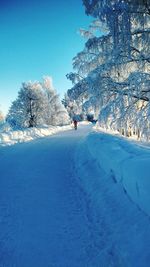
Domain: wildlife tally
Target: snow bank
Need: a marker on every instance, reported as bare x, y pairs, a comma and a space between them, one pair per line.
13, 137
125, 162
10, 137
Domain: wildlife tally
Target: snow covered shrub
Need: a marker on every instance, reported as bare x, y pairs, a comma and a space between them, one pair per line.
5, 127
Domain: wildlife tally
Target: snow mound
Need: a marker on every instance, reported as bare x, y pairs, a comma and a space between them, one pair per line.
20, 136
126, 163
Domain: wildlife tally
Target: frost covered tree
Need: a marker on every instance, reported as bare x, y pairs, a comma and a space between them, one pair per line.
113, 69
68, 104
27, 109
55, 112
37, 104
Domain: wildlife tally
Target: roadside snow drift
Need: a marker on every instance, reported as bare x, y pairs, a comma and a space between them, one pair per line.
20, 136
126, 163
10, 137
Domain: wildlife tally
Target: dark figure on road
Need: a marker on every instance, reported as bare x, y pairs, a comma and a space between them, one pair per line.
75, 124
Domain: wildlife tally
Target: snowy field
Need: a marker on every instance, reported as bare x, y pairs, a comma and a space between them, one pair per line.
74, 199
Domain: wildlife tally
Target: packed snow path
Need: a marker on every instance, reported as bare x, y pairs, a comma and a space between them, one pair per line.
42, 212
50, 218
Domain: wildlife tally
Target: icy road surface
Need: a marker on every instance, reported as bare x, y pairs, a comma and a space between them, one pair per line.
46, 217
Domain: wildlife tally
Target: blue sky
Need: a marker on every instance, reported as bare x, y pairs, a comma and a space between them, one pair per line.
38, 38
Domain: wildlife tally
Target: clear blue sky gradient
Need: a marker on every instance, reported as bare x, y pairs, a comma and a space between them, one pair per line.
37, 38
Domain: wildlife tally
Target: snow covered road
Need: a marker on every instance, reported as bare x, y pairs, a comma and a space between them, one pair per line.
56, 211
43, 219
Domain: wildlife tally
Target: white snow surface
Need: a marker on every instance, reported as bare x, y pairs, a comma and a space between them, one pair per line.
63, 203
114, 173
